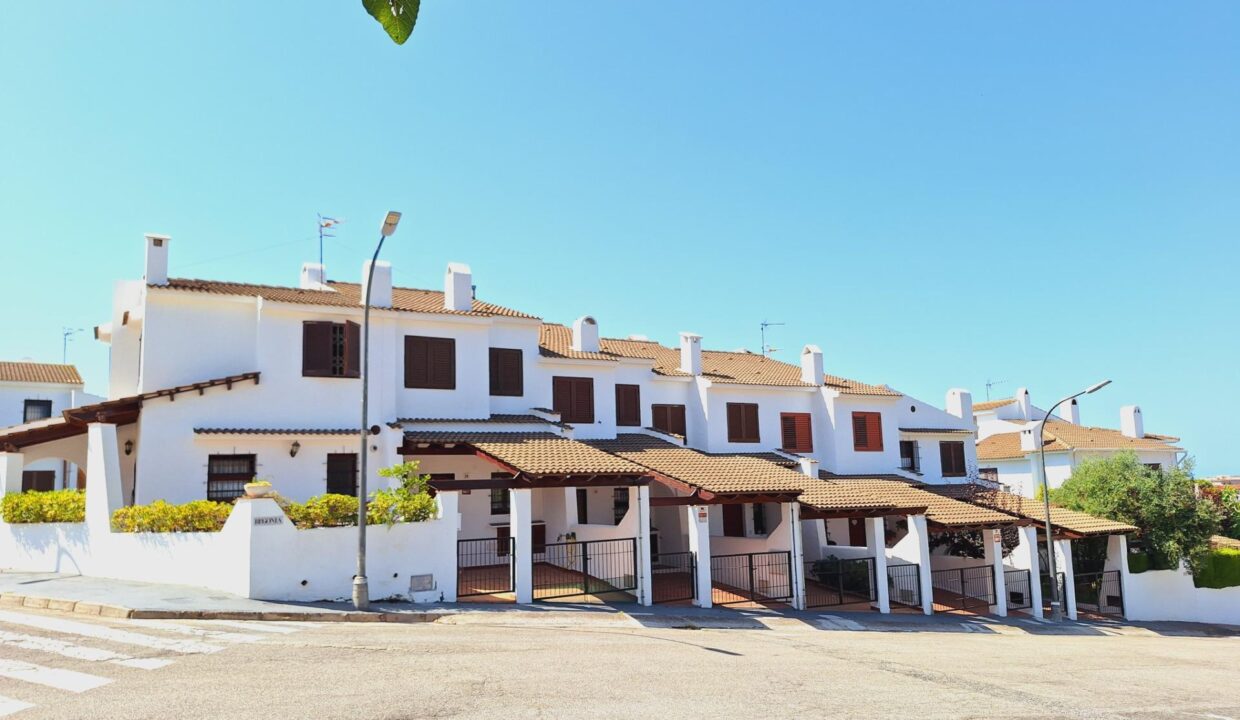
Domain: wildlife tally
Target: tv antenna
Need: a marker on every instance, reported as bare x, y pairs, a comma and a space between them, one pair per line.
767, 349
326, 225
66, 334
992, 383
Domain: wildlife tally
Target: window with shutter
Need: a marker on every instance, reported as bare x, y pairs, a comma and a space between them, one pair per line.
430, 362
910, 459
628, 405
228, 474
867, 432
952, 456
342, 473
796, 432
352, 350
743, 422
573, 398
33, 410
331, 349
668, 418
506, 372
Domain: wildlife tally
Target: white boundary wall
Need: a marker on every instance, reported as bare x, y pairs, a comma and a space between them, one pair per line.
1171, 595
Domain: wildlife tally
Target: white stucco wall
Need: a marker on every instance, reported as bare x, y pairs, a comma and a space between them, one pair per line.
1171, 595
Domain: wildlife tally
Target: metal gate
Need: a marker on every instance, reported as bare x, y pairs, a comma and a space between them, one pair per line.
673, 577
484, 567
965, 588
839, 582
1019, 589
751, 577
904, 585
1100, 593
586, 567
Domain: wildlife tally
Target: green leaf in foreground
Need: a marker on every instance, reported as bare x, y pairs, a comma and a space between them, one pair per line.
396, 16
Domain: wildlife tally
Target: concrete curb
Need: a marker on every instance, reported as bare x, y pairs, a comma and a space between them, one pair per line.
81, 607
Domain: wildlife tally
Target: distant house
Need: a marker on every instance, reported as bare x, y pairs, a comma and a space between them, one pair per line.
30, 392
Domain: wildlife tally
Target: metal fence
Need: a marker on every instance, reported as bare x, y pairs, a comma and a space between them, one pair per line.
904, 585
587, 567
484, 566
1100, 593
964, 588
751, 577
1019, 589
673, 576
840, 582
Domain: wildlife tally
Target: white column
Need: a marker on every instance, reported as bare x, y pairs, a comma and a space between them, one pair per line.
792, 518
103, 476
449, 511
994, 557
521, 516
11, 466
1025, 557
1117, 559
645, 579
876, 545
698, 521
917, 529
1063, 564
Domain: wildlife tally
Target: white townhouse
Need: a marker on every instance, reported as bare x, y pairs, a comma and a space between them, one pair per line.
1007, 450
31, 392
565, 464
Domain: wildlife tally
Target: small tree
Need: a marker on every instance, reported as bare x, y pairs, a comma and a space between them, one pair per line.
411, 502
1227, 500
1175, 523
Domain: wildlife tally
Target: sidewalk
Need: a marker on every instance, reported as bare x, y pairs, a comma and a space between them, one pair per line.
125, 599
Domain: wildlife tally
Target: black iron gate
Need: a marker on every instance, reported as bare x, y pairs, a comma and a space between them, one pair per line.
586, 567
1100, 593
751, 577
965, 588
839, 582
484, 567
673, 576
1019, 589
904, 585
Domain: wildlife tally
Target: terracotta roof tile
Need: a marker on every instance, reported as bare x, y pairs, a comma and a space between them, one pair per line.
342, 294
1020, 506
939, 509
992, 404
537, 453
713, 473
275, 431
501, 418
1060, 436
32, 372
936, 431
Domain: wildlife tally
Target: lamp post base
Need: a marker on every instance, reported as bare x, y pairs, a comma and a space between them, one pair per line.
361, 593
1056, 612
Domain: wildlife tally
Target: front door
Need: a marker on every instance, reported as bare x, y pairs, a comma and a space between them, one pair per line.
734, 520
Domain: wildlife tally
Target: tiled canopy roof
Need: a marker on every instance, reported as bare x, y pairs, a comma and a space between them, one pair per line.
535, 454
1060, 436
276, 431
498, 418
344, 295
992, 404
1020, 506
735, 368
936, 431
715, 474
32, 372
939, 509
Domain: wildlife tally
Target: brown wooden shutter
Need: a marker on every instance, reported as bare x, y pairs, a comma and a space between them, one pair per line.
417, 362
874, 427
951, 458
676, 419
735, 423
352, 350
860, 432
316, 349
628, 405
583, 400
506, 372
659, 417
562, 396
442, 363
796, 432
751, 423
743, 422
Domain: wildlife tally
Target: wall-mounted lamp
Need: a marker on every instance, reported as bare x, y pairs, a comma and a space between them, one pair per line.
294, 448
129, 447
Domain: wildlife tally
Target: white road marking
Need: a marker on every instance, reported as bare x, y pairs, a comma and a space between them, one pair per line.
103, 632
78, 652
8, 706
256, 625
973, 627
70, 680
844, 622
217, 635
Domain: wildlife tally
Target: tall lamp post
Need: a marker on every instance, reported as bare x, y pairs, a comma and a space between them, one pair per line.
1056, 601
361, 588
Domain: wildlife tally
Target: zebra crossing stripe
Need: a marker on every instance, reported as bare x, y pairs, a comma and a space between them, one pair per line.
8, 706
78, 652
217, 635
844, 623
973, 627
70, 680
258, 626
103, 632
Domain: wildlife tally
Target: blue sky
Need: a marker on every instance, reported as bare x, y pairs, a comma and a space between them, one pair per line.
1044, 194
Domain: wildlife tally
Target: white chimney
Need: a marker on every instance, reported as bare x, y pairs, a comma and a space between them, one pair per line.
1023, 405
381, 291
585, 334
811, 365
157, 259
691, 353
1130, 422
1027, 442
808, 466
960, 403
1070, 412
313, 276
458, 288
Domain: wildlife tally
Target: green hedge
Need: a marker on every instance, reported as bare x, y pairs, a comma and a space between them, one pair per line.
328, 510
159, 516
1220, 570
385, 507
54, 506
1138, 562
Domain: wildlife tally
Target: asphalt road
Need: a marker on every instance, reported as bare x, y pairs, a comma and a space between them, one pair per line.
64, 666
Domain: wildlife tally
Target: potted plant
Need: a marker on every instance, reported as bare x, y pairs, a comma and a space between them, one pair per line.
257, 488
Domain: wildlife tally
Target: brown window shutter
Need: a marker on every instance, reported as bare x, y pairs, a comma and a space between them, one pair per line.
583, 400
795, 431
442, 363
805, 432
743, 422
951, 458
860, 432
417, 362
562, 396
352, 350
497, 385
874, 427
628, 405
316, 349
735, 421
751, 423
676, 419
660, 417
509, 371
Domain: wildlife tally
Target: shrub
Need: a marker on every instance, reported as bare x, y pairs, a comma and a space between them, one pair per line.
408, 503
1221, 569
160, 516
59, 506
328, 510
1138, 562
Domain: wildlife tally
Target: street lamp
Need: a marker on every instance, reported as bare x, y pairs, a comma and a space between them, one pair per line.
361, 588
1056, 604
